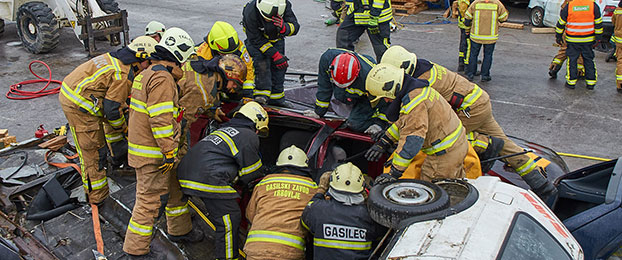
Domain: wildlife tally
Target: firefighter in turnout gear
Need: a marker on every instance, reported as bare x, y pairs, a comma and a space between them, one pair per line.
267, 23
214, 163
94, 94
424, 121
153, 141
342, 73
581, 22
561, 56
339, 220
155, 29
464, 48
483, 16
223, 39
372, 16
276, 232
617, 38
472, 104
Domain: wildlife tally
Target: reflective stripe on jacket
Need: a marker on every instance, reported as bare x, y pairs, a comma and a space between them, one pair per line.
616, 19
463, 5
581, 21
485, 16
363, 9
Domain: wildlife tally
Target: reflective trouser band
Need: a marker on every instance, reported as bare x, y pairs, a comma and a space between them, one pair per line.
262, 92
526, 168
79, 100
114, 137
249, 84
471, 97
140, 229
177, 211
291, 180
618, 77
340, 244
557, 61
616, 39
447, 142
321, 104
77, 144
144, 151
251, 168
118, 122
275, 237
226, 219
193, 185
277, 95
95, 184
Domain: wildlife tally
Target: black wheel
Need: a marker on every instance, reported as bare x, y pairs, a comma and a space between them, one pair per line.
390, 203
537, 17
109, 6
1, 27
37, 27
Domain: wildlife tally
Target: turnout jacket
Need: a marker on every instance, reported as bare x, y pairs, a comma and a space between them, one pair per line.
616, 19
425, 122
339, 231
212, 164
207, 53
364, 9
261, 33
98, 88
274, 211
484, 16
463, 5
581, 21
154, 109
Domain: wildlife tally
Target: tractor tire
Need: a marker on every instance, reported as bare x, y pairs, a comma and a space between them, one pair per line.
390, 203
109, 6
1, 27
37, 27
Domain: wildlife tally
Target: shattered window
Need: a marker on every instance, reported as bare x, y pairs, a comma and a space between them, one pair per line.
527, 239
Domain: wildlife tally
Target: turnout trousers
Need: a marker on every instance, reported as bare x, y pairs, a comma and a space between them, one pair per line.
154, 190
574, 51
348, 32
464, 49
449, 165
619, 68
560, 57
486, 63
226, 215
268, 79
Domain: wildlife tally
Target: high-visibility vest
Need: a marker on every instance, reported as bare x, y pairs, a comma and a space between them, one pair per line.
580, 18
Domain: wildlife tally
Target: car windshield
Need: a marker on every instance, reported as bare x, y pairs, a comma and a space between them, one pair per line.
527, 239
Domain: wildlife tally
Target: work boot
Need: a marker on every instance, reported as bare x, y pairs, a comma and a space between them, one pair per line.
569, 86
486, 78
590, 87
281, 103
469, 77
195, 235
541, 186
494, 148
553, 71
619, 90
460, 67
262, 100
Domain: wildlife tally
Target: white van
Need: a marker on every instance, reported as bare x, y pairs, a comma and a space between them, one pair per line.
546, 13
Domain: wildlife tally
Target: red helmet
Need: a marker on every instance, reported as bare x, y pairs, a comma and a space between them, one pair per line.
344, 69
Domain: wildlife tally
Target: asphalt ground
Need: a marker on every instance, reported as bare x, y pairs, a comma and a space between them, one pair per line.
526, 103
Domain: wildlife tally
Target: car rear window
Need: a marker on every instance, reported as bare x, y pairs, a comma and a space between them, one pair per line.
527, 239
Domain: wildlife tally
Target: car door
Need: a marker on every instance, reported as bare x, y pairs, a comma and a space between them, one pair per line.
551, 12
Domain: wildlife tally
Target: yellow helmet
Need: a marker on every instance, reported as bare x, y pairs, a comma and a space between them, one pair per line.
143, 46
255, 112
222, 38
293, 156
384, 80
234, 68
155, 27
347, 178
399, 57
179, 43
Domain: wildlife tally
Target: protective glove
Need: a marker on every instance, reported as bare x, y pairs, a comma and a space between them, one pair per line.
376, 137
392, 176
283, 27
169, 161
559, 39
372, 25
280, 61
541, 186
310, 113
219, 115
378, 149
373, 130
324, 182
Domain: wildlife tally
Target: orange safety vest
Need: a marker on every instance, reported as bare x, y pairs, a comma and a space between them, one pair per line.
580, 18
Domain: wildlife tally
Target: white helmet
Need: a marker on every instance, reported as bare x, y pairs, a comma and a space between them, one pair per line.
384, 80
155, 27
347, 178
271, 8
399, 57
293, 156
178, 43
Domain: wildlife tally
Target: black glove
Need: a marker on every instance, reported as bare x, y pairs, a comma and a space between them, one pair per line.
378, 149
559, 39
541, 186
376, 137
392, 176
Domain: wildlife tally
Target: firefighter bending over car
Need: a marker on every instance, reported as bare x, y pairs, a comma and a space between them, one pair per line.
92, 95
338, 219
342, 73
223, 39
267, 23
213, 164
153, 141
276, 231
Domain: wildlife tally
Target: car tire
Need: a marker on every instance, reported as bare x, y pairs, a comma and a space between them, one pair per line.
1, 27
536, 16
37, 27
388, 207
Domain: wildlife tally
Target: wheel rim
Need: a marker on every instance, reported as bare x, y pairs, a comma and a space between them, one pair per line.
536, 18
29, 28
407, 193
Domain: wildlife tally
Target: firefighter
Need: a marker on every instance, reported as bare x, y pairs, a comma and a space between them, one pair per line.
153, 141
616, 19
275, 232
338, 218
342, 73
372, 16
582, 24
155, 29
223, 39
93, 94
213, 164
464, 48
424, 121
483, 16
267, 23
561, 56
472, 104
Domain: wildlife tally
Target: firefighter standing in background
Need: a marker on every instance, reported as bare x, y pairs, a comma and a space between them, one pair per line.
617, 38
223, 39
338, 218
472, 104
214, 163
561, 57
153, 141
342, 73
464, 48
582, 24
424, 121
92, 94
372, 16
267, 23
276, 232
155, 29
